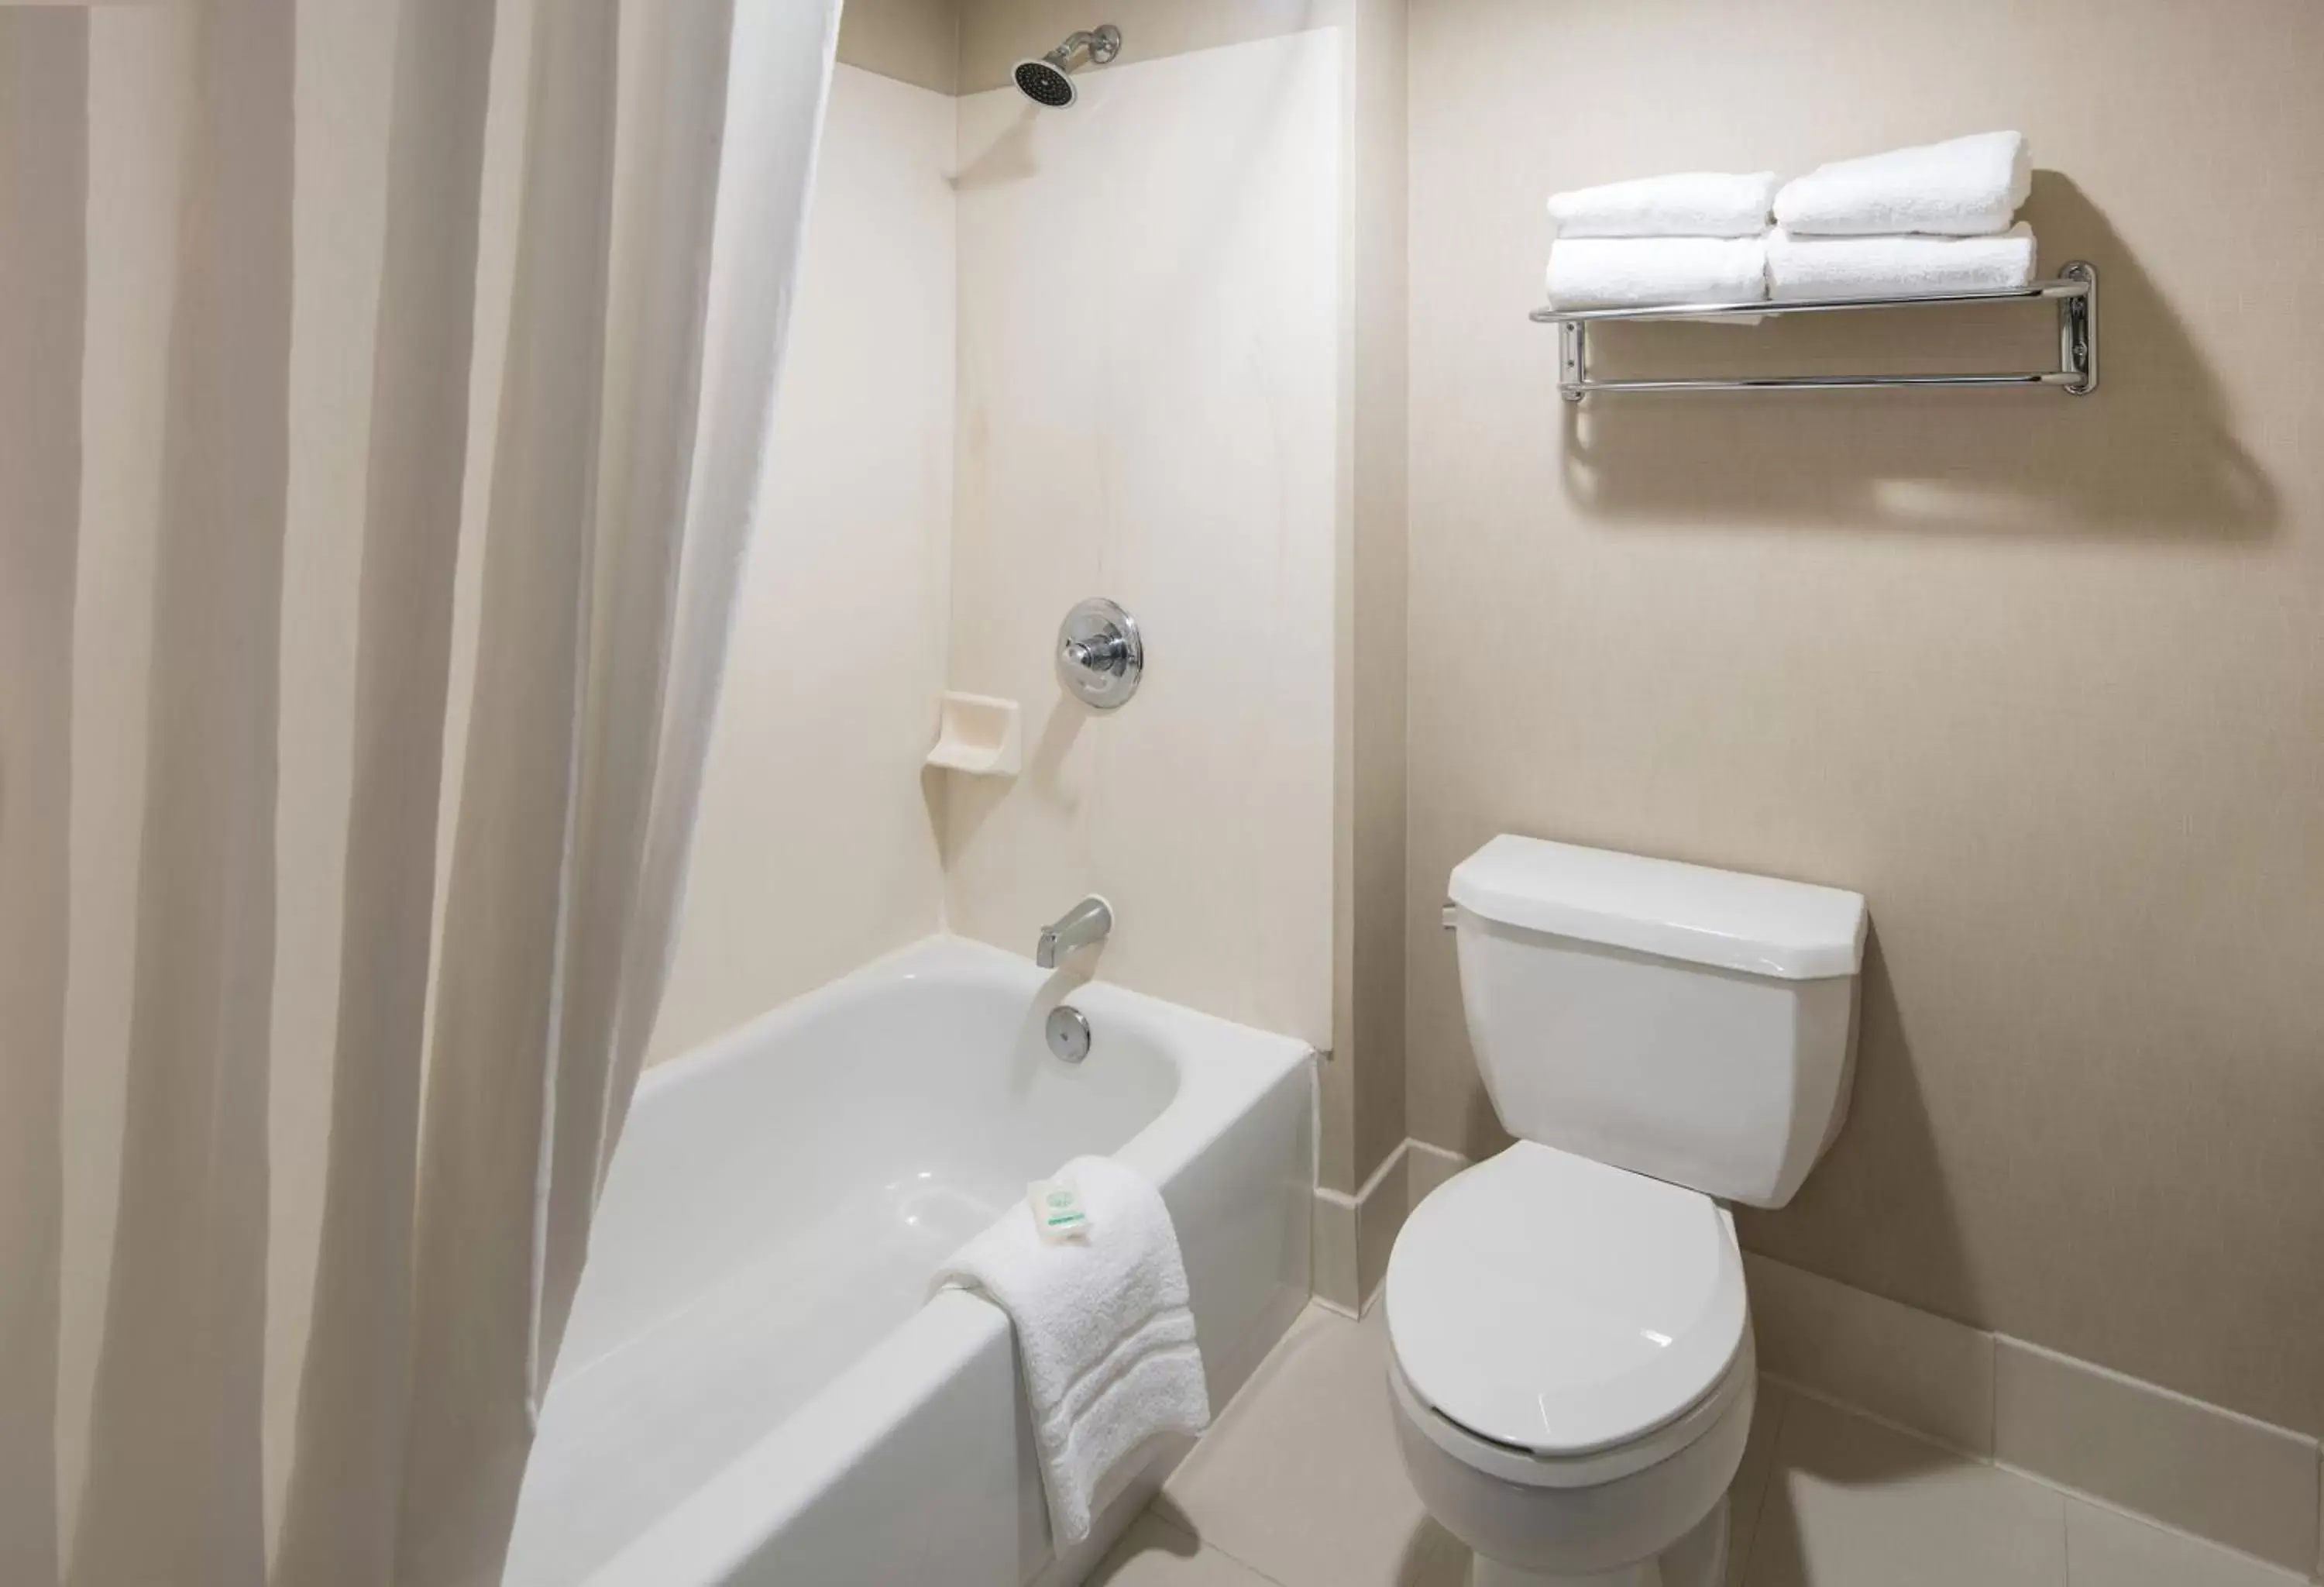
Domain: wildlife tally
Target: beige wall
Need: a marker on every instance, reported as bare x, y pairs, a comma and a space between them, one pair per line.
1367, 1025
2043, 676
996, 35
815, 852
917, 41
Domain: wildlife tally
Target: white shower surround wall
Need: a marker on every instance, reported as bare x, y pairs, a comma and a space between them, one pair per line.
1153, 336
756, 1389
854, 535
1147, 297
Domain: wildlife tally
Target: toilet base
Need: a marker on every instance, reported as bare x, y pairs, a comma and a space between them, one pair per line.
1698, 1559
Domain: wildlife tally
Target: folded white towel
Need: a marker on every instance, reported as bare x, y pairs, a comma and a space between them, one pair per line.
1636, 273
1691, 204
1967, 187
1103, 1332
1884, 267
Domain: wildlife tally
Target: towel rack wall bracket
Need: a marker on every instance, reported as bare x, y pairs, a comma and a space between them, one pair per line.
2074, 293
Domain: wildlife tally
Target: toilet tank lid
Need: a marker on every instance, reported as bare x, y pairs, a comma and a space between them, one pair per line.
1794, 931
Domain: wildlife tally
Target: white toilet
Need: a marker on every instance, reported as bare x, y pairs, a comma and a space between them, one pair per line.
1572, 1364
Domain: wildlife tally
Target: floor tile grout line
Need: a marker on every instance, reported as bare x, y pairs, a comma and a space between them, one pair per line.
2065, 1534
1220, 1548
2091, 1500
1202, 1544
1253, 1386
1767, 1481
1246, 1564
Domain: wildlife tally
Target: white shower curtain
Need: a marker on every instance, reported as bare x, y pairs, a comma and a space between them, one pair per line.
383, 389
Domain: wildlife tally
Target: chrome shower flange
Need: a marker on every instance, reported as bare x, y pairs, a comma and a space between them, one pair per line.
1101, 654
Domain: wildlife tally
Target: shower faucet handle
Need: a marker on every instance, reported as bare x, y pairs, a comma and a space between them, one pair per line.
1101, 655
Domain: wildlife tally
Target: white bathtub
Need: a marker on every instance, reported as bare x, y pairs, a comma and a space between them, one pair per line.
756, 1388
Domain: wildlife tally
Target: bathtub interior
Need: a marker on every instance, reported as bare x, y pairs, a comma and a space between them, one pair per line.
873, 1127
777, 1206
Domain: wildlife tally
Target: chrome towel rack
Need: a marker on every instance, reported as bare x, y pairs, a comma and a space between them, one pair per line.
2075, 291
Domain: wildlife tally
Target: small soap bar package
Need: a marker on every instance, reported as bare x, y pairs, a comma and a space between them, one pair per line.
1057, 1210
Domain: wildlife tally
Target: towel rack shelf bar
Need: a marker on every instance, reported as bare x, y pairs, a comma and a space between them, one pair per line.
2075, 291
1836, 383
2033, 291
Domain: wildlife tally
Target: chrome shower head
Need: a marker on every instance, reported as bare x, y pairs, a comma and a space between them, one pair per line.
1046, 81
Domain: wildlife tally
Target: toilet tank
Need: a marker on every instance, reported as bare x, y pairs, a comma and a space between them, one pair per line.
1687, 1023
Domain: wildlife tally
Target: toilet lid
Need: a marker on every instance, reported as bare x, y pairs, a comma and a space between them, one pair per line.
1557, 1304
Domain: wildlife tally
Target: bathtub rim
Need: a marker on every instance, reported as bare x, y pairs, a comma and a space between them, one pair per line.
1160, 1148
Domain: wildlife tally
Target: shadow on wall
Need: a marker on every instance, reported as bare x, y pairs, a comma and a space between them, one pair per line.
2151, 455
1880, 1192
1009, 158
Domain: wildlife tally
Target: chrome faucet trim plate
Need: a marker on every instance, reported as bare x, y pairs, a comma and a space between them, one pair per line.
1101, 655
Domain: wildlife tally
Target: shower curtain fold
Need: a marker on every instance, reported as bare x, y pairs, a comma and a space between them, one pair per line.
43, 189
172, 1489
499, 1072
474, 1067
344, 1501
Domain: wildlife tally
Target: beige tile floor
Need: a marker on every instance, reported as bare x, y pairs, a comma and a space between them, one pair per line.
1298, 1485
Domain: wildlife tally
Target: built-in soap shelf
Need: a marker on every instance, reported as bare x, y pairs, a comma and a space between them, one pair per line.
979, 735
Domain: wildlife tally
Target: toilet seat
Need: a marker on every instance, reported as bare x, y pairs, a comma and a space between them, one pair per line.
1735, 1391
1566, 1314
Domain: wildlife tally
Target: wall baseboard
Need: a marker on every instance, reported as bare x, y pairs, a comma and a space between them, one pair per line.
2134, 1446
1431, 1166
2137, 1446
2198, 1468
1354, 1233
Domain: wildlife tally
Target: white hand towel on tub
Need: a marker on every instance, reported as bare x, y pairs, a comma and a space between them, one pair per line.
1964, 188
1638, 273
1690, 204
1897, 267
1103, 1332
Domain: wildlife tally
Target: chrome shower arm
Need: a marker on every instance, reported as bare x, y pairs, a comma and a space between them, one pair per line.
1103, 43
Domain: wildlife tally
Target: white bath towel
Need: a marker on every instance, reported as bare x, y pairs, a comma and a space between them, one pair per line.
1690, 204
1897, 267
1966, 187
1635, 273
1103, 1332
